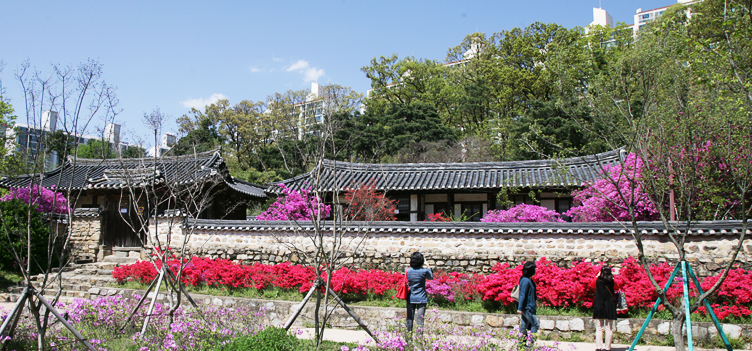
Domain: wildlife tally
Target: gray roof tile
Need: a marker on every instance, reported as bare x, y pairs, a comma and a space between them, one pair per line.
336, 175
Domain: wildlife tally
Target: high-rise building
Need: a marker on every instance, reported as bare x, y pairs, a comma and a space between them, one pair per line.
30, 138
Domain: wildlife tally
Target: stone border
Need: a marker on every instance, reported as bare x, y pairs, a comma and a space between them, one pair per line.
277, 313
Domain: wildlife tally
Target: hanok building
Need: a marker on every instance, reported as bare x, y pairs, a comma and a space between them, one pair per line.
466, 190
117, 193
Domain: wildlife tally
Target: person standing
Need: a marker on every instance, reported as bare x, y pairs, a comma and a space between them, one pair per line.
604, 307
526, 303
418, 299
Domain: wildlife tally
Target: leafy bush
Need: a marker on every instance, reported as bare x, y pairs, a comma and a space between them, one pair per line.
269, 339
15, 217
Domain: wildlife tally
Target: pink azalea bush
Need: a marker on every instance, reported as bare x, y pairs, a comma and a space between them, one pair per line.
608, 199
295, 206
43, 199
523, 213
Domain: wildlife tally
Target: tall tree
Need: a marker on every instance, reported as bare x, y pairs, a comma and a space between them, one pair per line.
400, 127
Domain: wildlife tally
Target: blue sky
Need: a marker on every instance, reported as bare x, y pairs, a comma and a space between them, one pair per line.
178, 54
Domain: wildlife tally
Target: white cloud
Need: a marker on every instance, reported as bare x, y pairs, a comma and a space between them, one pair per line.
199, 104
309, 73
254, 69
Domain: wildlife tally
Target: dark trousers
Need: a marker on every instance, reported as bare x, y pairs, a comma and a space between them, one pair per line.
415, 312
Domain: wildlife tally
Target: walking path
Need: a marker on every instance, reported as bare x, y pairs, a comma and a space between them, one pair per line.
359, 336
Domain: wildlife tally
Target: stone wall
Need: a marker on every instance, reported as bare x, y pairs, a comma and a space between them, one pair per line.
381, 319
470, 252
86, 232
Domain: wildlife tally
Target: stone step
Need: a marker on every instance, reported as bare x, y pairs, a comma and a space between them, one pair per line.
67, 296
120, 260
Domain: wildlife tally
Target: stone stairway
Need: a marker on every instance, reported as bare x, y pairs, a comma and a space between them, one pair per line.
83, 281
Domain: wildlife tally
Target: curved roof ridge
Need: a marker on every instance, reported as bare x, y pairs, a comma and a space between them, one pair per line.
608, 155
81, 160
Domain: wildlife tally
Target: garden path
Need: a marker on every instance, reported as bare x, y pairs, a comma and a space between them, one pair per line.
360, 336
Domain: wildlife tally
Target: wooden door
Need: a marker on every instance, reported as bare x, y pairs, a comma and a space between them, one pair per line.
124, 224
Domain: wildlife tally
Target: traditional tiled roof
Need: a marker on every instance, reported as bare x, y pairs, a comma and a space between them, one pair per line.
84, 174
335, 175
703, 228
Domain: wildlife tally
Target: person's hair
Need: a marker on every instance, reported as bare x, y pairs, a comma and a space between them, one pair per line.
528, 270
416, 260
606, 275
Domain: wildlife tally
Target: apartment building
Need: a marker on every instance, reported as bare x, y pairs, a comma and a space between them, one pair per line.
30, 138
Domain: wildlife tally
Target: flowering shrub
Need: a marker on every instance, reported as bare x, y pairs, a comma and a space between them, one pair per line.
556, 286
100, 321
437, 217
364, 203
43, 199
608, 199
522, 213
295, 206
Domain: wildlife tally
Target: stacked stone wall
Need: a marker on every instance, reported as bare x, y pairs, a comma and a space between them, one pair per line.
86, 233
458, 252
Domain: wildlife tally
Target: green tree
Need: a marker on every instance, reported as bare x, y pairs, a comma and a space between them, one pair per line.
97, 149
399, 128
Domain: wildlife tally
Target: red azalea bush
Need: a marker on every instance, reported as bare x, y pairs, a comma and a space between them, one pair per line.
556, 286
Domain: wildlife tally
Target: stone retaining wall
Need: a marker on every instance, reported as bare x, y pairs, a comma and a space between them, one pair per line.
379, 318
469, 252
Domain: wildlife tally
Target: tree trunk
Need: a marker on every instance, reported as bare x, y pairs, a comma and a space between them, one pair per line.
316, 322
676, 331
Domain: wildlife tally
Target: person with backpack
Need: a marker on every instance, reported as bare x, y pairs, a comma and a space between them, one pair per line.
526, 303
604, 307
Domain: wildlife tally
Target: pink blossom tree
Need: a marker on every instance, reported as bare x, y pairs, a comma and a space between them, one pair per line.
42, 199
295, 206
611, 197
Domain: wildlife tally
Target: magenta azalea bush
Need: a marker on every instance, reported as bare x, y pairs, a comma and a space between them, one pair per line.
43, 199
295, 206
608, 199
523, 213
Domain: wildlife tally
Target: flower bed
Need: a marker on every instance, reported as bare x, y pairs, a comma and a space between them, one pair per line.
100, 321
557, 287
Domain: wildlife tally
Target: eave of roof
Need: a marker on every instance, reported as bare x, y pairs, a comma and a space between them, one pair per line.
702, 228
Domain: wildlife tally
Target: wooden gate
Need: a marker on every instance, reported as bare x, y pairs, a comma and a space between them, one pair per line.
124, 224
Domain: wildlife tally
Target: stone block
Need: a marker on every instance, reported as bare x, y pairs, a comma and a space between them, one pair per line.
664, 328
270, 306
511, 321
624, 327
547, 324
134, 254
577, 324
494, 321
732, 331
217, 301
94, 291
476, 320
562, 325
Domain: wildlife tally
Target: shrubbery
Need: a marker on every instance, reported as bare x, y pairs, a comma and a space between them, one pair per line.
269, 339
13, 234
557, 286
